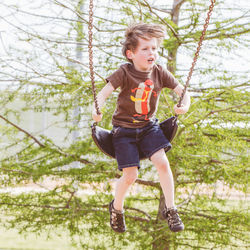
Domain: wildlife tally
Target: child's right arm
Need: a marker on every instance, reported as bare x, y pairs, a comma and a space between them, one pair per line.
101, 97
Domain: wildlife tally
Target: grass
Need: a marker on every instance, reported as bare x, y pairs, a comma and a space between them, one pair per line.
11, 239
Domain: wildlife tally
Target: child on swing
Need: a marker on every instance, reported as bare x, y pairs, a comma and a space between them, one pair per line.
134, 123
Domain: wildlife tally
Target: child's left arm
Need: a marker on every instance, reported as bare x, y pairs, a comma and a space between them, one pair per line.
185, 104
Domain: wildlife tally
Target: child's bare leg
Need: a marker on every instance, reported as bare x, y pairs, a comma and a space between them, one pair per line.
128, 178
160, 161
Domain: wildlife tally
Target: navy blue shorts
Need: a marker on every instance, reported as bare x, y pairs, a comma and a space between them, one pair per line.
128, 141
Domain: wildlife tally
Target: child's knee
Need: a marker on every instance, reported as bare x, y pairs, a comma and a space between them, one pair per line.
163, 166
130, 175
160, 161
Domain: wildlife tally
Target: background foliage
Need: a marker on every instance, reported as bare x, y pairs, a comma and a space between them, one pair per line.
45, 117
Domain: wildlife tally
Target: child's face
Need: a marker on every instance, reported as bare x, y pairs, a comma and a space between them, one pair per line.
145, 54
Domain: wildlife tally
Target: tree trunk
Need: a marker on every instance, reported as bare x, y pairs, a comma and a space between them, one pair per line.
161, 243
175, 12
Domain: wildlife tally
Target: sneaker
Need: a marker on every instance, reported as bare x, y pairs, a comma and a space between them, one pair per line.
117, 221
174, 222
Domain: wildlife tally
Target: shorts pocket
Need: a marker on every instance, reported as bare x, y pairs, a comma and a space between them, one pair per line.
116, 131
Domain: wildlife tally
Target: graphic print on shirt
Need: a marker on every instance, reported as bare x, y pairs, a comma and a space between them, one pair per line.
142, 99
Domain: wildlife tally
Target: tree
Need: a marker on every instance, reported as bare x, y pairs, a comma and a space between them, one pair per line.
210, 147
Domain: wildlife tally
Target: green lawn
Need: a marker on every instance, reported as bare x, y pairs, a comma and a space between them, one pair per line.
11, 239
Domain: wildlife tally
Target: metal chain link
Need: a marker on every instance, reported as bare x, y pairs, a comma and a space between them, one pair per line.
197, 51
91, 67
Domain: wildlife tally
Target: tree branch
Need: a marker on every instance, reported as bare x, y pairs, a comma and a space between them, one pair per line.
68, 207
162, 20
42, 145
24, 131
138, 210
220, 110
143, 182
217, 36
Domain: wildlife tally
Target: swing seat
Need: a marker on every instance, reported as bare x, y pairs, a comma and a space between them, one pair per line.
103, 140
169, 127
103, 137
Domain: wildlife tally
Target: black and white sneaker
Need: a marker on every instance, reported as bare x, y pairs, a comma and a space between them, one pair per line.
174, 222
117, 221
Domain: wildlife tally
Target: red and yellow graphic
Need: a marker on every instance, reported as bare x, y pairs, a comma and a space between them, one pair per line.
142, 98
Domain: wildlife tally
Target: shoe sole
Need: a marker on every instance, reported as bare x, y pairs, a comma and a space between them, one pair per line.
178, 229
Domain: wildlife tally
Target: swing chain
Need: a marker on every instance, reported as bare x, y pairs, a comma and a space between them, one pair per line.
197, 51
90, 46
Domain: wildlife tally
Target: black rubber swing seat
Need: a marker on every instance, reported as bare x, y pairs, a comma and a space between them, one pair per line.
103, 137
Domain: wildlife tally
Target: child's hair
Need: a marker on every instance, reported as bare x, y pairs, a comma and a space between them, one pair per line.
144, 31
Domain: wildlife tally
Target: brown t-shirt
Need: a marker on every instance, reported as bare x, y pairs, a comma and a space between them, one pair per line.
139, 95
